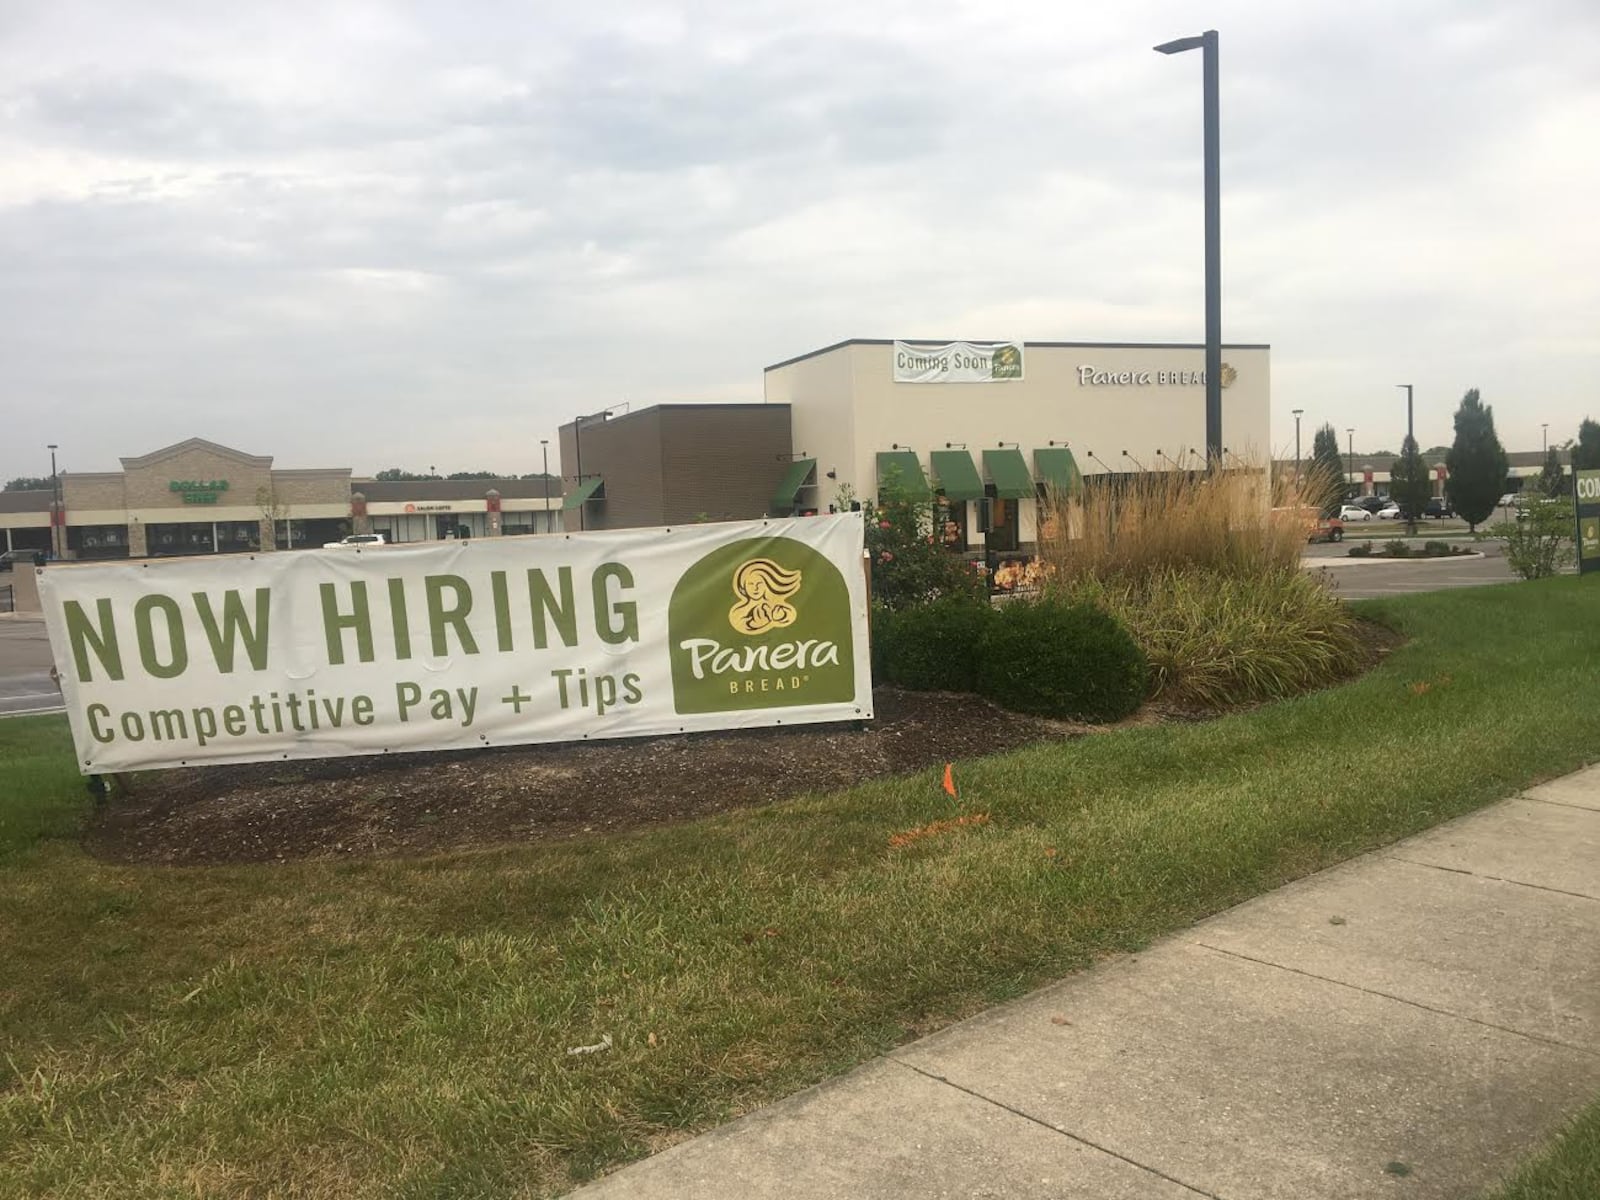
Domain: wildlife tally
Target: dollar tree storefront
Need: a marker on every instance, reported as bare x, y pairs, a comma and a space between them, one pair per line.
1004, 422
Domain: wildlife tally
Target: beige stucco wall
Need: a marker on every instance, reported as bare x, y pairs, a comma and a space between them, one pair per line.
847, 407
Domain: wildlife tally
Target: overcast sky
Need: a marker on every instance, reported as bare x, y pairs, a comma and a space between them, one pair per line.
425, 234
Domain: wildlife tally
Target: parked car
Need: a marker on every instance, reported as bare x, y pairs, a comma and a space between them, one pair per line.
1354, 512
1372, 504
1438, 506
1509, 499
1327, 529
358, 541
1390, 512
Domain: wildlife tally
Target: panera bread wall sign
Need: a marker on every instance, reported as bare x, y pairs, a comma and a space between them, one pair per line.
198, 491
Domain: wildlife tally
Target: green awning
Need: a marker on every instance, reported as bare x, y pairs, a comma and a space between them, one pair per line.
1010, 474
1056, 468
793, 480
585, 489
958, 477
903, 468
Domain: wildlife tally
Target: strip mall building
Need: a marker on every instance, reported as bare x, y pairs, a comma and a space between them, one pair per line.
198, 497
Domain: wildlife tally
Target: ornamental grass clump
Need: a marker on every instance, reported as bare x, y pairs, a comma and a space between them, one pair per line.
1204, 572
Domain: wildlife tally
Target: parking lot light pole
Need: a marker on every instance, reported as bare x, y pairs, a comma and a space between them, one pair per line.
55, 505
1207, 44
544, 451
1351, 434
1297, 413
1411, 522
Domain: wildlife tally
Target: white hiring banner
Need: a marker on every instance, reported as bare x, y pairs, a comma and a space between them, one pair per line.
491, 642
958, 362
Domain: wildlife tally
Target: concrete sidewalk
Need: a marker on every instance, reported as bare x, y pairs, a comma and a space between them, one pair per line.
1408, 1024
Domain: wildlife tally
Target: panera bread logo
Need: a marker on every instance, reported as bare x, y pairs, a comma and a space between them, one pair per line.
1006, 363
788, 649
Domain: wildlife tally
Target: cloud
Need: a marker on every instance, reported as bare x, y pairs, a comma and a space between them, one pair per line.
363, 233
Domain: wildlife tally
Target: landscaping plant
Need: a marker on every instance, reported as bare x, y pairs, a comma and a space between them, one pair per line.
1204, 571
1476, 462
1053, 658
933, 646
909, 564
1539, 543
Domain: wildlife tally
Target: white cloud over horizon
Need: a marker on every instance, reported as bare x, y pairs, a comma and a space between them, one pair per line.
374, 234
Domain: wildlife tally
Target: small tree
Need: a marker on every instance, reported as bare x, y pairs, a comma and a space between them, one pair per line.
273, 510
1477, 462
1326, 461
1539, 543
1552, 480
1409, 483
1586, 454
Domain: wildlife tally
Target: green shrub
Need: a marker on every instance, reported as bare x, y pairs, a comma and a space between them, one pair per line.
1397, 549
934, 647
1213, 639
1364, 550
1539, 542
1055, 658
1437, 549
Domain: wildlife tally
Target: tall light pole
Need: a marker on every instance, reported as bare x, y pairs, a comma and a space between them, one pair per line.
1545, 435
1207, 44
544, 451
1297, 413
1411, 436
55, 505
1351, 434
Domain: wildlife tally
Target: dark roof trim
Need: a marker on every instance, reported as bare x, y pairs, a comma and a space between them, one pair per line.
1042, 345
670, 405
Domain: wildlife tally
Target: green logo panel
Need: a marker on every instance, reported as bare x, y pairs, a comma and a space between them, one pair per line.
760, 623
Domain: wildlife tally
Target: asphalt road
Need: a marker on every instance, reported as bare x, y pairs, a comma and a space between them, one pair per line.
1360, 579
25, 683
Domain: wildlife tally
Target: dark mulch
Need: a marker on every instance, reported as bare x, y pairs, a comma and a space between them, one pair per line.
421, 803
400, 805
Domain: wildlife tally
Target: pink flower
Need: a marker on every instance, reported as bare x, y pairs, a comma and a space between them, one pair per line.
886, 557
884, 525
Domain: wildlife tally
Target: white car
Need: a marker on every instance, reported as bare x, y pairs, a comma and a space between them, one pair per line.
357, 541
1354, 512
1389, 512
1510, 500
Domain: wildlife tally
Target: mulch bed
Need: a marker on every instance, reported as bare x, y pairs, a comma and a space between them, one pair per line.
421, 803
417, 804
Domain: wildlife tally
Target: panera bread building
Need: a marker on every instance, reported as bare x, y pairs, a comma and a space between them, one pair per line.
198, 497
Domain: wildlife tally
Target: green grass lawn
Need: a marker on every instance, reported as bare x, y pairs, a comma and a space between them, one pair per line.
1568, 1169
401, 1028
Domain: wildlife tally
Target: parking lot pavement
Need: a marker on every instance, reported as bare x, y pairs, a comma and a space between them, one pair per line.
25, 683
1362, 578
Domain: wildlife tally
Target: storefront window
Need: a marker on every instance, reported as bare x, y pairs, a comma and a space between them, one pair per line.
98, 541
952, 525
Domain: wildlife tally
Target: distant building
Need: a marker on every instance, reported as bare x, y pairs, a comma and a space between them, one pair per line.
198, 497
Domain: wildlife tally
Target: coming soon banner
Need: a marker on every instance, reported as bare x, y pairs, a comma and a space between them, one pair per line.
489, 642
958, 362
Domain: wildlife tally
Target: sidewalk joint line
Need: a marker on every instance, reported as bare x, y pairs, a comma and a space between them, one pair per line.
1443, 1012
1538, 887
1017, 1112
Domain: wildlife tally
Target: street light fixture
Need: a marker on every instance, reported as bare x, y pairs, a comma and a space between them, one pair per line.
1207, 44
1297, 413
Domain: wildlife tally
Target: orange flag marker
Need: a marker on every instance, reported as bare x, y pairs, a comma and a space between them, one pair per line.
950, 779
